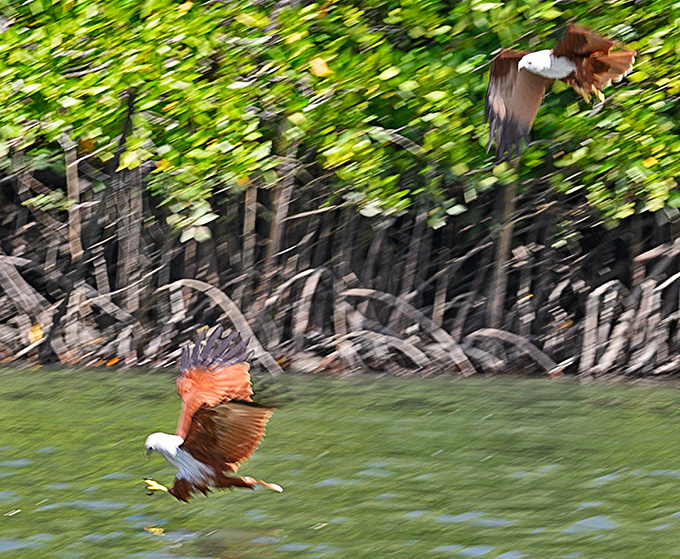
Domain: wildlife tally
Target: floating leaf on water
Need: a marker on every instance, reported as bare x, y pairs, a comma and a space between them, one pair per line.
154, 530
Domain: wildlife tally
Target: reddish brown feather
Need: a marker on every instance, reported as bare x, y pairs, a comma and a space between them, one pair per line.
200, 385
225, 435
505, 62
600, 69
579, 41
183, 489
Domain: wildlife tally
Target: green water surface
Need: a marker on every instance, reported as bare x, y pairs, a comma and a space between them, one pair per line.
371, 468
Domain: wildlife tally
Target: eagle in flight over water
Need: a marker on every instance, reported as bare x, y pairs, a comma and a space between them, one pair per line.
518, 80
219, 425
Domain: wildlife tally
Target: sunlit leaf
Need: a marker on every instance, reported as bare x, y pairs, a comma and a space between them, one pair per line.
185, 7
389, 73
319, 68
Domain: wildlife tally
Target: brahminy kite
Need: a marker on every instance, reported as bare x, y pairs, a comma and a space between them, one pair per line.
518, 80
219, 426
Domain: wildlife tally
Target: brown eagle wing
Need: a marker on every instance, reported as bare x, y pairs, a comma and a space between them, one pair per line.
579, 41
225, 435
512, 101
212, 373
596, 66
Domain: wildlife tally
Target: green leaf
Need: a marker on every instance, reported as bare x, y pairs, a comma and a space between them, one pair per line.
456, 209
202, 234
390, 73
436, 96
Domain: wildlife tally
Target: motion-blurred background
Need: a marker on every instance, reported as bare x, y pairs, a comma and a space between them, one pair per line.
320, 170
315, 176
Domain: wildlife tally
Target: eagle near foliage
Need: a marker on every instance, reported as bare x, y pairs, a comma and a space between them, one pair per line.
518, 79
219, 425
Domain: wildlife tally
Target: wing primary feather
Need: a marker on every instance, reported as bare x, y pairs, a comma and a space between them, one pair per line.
186, 358
511, 103
226, 342
206, 354
234, 355
197, 347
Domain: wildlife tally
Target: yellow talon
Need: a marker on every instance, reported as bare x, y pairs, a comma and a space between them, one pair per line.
152, 486
598, 94
583, 93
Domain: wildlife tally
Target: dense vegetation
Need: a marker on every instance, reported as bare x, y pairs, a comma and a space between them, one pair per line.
318, 173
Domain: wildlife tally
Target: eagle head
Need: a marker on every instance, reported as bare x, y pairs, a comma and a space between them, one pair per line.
537, 62
164, 444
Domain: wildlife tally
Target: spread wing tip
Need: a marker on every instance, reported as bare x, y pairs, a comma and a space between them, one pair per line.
216, 351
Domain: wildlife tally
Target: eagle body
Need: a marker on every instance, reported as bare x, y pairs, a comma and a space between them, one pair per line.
219, 425
546, 64
188, 468
518, 81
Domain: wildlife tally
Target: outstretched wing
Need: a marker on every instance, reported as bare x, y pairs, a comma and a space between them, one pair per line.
579, 41
512, 101
225, 435
596, 66
212, 373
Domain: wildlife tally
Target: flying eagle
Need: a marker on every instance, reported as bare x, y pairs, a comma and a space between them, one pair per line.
219, 426
518, 79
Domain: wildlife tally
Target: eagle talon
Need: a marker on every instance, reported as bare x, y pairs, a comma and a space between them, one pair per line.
152, 486
598, 94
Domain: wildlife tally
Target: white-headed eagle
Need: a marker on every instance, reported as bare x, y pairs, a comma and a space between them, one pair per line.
518, 80
219, 426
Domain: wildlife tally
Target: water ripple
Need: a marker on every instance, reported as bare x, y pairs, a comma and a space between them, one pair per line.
20, 463
267, 540
8, 496
592, 524
599, 481
375, 472
10, 544
674, 474
465, 517
87, 505
332, 481
446, 549
294, 547
476, 550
